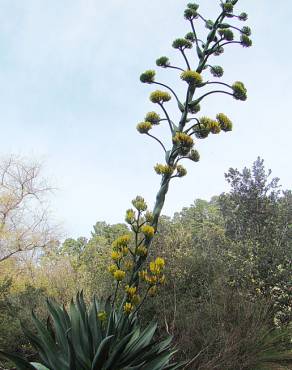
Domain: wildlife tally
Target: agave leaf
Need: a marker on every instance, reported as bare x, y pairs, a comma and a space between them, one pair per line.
148, 354
115, 355
159, 362
37, 343
18, 361
85, 330
108, 306
50, 328
101, 354
59, 325
111, 325
142, 341
74, 333
176, 365
48, 344
39, 366
94, 325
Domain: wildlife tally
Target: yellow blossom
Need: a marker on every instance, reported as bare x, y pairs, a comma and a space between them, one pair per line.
102, 315
135, 299
125, 251
142, 251
143, 275
147, 230
128, 307
128, 265
152, 291
122, 241
116, 255
112, 268
160, 262
154, 268
119, 275
131, 290
162, 279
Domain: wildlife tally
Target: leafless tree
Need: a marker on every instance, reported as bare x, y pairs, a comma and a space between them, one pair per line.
24, 216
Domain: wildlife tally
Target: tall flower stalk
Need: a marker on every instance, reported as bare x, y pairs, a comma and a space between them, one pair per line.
129, 254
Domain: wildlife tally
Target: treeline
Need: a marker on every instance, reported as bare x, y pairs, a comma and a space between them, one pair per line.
227, 298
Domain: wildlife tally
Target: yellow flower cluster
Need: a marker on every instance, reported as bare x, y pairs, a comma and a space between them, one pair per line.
163, 169
214, 127
102, 315
159, 96
181, 171
132, 298
191, 77
119, 275
139, 203
148, 231
128, 307
122, 241
224, 121
130, 216
153, 118
183, 139
154, 275
144, 127
120, 250
142, 251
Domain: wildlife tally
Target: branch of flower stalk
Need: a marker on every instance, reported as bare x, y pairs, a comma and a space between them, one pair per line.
185, 58
213, 92
165, 119
183, 119
173, 67
194, 32
175, 152
169, 88
115, 295
200, 16
167, 116
184, 157
196, 124
218, 83
205, 59
231, 42
217, 43
142, 302
155, 138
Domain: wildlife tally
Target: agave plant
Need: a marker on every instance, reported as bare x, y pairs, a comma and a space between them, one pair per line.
98, 338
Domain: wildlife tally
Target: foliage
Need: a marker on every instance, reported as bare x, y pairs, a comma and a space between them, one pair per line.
258, 223
98, 338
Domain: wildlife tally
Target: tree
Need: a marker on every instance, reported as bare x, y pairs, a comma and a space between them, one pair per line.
24, 217
258, 218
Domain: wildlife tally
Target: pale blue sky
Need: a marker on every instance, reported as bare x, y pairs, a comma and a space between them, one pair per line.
70, 95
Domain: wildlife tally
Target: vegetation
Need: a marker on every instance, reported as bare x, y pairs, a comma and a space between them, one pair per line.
210, 304
226, 299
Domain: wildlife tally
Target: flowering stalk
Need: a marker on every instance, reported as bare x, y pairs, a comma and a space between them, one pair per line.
144, 226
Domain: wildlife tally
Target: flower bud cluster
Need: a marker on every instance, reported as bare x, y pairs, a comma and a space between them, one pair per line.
159, 97
132, 298
180, 138
162, 62
193, 78
239, 91
154, 276
208, 125
144, 127
217, 71
148, 77
153, 118
182, 44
